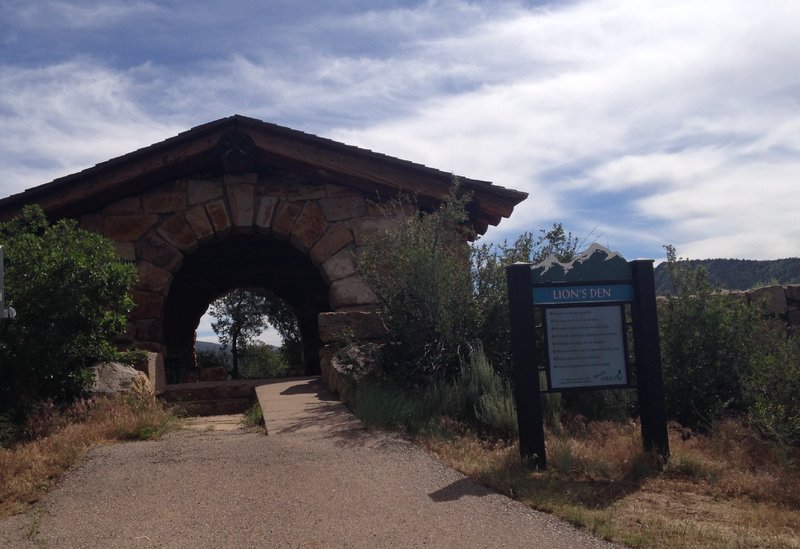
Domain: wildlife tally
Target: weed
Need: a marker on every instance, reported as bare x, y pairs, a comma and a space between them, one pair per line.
254, 416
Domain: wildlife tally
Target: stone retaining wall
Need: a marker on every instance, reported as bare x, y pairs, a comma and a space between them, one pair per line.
779, 301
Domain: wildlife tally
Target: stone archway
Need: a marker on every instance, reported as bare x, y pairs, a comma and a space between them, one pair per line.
243, 261
194, 239
241, 202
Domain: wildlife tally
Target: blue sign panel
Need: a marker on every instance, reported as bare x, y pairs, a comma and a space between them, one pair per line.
594, 293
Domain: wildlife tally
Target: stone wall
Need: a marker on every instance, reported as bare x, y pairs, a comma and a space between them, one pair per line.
328, 223
780, 301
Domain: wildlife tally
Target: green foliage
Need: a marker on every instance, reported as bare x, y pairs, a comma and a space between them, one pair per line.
243, 314
239, 319
772, 387
212, 358
420, 273
706, 339
9, 429
437, 293
263, 361
491, 291
478, 397
610, 405
72, 295
721, 356
388, 406
489, 396
254, 416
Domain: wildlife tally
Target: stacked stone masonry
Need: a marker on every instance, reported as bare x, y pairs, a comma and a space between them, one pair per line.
159, 229
780, 301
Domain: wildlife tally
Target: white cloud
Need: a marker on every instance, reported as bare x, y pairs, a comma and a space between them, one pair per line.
81, 14
650, 122
67, 117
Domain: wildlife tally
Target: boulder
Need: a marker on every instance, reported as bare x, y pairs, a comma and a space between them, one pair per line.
113, 377
771, 299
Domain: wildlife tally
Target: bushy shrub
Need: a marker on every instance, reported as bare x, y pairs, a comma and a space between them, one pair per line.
721, 357
489, 262
707, 340
479, 397
489, 396
772, 386
420, 273
261, 361
71, 294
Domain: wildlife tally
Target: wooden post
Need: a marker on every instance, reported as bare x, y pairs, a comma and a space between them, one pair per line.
652, 407
525, 369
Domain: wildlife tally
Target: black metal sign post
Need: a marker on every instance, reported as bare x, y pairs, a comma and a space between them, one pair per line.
583, 304
525, 370
649, 381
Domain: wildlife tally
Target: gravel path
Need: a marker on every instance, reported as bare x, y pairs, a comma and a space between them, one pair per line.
313, 488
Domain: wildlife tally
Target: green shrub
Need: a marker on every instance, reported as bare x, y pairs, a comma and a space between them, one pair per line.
261, 361
772, 387
489, 262
721, 356
479, 396
386, 405
488, 397
420, 273
71, 294
213, 358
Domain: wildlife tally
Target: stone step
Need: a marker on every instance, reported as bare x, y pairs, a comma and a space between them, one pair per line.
214, 407
207, 393
212, 397
211, 390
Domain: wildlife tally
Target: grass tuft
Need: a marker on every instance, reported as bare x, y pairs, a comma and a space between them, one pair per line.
58, 438
253, 416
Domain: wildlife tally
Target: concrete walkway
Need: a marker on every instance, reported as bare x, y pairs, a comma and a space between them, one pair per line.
319, 480
302, 404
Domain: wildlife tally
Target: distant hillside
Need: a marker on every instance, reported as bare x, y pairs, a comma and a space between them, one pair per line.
737, 274
207, 346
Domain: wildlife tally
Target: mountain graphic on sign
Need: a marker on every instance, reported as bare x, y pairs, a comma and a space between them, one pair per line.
595, 263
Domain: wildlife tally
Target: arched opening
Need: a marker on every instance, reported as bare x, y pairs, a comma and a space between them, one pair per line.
242, 261
249, 333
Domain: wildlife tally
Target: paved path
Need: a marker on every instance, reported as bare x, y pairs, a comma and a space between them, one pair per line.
318, 480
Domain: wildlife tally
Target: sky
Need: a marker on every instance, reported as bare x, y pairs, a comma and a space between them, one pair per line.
634, 123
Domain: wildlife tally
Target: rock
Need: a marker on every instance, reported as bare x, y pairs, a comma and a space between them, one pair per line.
351, 292
113, 377
339, 326
771, 299
793, 292
155, 371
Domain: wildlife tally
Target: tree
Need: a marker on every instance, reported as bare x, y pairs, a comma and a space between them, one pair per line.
72, 296
240, 318
491, 292
264, 361
244, 313
281, 317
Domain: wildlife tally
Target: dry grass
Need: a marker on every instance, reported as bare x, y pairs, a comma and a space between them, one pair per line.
730, 489
28, 469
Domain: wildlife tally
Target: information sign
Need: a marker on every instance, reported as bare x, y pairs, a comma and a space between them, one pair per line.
585, 293
586, 347
587, 309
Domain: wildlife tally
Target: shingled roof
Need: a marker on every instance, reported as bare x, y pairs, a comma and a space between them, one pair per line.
238, 144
